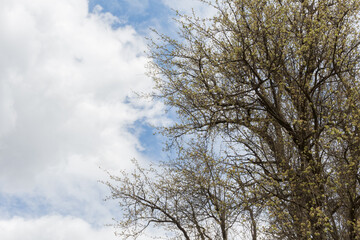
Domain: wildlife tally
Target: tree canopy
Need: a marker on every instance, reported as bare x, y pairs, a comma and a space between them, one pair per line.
267, 94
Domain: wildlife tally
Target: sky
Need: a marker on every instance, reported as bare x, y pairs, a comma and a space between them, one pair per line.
69, 73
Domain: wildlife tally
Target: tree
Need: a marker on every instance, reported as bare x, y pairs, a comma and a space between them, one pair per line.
193, 197
277, 83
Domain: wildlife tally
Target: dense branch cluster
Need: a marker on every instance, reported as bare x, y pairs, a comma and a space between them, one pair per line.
276, 83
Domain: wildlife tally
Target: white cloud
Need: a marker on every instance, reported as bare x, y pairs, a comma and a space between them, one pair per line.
8, 119
52, 228
56, 227
64, 77
66, 105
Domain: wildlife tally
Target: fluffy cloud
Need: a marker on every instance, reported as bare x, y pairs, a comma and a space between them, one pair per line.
56, 227
52, 228
67, 79
64, 77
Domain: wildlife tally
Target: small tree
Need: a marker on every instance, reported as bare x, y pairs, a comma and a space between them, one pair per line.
278, 82
195, 196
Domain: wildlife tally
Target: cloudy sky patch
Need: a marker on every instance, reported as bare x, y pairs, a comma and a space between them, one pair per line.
69, 71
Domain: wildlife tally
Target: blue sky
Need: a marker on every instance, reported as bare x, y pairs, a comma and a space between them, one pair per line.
68, 73
140, 14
